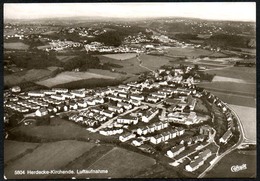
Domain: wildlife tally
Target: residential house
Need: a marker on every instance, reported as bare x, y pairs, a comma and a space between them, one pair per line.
175, 151
194, 165
137, 97
41, 112
126, 137
124, 105
149, 114
107, 113
115, 109
127, 120
227, 135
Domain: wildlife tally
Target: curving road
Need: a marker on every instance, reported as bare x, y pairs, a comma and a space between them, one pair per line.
242, 138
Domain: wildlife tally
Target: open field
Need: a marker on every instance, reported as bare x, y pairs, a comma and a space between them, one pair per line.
14, 149
247, 116
66, 77
58, 129
245, 73
154, 62
64, 58
121, 163
231, 87
43, 47
16, 46
223, 167
192, 52
47, 157
235, 99
227, 79
121, 56
89, 83
130, 66
30, 75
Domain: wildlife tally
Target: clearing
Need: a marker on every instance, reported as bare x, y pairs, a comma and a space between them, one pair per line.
227, 79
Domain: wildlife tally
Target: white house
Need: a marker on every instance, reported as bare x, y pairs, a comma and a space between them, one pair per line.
126, 137
41, 112
127, 120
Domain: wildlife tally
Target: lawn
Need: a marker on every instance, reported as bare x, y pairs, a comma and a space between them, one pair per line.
16, 46
48, 156
223, 167
15, 149
247, 116
66, 77
121, 56
121, 163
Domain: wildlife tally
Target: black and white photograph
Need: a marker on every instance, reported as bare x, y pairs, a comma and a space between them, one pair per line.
109, 90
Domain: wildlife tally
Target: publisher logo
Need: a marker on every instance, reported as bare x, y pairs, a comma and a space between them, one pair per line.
237, 168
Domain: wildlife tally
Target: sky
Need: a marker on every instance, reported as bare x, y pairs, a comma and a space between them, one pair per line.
237, 11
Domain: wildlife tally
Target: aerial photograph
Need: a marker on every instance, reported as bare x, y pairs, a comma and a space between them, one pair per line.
129, 90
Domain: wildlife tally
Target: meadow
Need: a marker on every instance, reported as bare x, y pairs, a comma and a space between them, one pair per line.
66, 77
121, 56
26, 75
16, 46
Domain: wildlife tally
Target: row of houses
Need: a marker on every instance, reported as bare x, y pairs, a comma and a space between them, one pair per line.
152, 128
167, 135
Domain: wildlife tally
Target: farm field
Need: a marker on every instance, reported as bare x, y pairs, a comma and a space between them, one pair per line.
234, 99
64, 58
154, 62
231, 87
30, 75
192, 52
130, 66
245, 73
14, 149
121, 163
223, 167
247, 116
89, 83
16, 46
47, 157
227, 79
121, 56
66, 77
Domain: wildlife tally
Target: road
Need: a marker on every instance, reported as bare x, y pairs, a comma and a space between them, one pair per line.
242, 138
